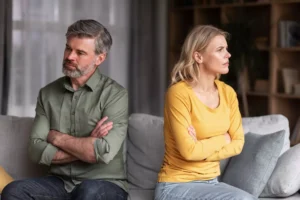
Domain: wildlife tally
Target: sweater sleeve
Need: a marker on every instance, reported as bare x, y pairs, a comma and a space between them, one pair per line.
235, 131
177, 113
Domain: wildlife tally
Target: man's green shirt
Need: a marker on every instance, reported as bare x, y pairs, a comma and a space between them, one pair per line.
60, 107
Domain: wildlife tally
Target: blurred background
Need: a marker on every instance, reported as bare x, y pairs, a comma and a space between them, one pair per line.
32, 38
148, 34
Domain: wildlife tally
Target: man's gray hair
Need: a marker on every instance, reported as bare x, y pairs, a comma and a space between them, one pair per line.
91, 29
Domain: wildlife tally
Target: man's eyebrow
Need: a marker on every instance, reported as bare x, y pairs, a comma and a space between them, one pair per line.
78, 50
81, 51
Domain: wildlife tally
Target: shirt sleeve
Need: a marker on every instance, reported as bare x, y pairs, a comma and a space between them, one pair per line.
40, 151
177, 112
116, 110
235, 131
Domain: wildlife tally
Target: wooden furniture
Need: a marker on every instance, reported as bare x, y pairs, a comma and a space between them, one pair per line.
266, 15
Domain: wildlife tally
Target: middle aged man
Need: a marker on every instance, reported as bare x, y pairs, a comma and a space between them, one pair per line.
69, 134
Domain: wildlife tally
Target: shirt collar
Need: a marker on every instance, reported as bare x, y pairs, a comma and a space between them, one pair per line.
93, 80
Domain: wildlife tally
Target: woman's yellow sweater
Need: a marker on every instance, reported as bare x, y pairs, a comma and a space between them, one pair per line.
189, 160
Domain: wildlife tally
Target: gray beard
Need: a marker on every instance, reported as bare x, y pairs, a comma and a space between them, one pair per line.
77, 73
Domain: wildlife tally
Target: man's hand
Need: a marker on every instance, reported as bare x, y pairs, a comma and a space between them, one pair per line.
102, 129
192, 132
227, 138
53, 136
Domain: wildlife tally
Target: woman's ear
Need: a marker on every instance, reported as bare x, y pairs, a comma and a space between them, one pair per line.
198, 57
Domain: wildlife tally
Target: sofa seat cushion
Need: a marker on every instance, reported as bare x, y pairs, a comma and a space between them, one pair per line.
139, 194
145, 150
294, 197
251, 170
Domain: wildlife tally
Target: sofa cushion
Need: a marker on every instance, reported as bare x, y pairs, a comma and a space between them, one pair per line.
139, 194
145, 150
294, 197
264, 125
268, 124
285, 179
251, 170
14, 136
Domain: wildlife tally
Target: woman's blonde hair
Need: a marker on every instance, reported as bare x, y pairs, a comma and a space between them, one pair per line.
187, 69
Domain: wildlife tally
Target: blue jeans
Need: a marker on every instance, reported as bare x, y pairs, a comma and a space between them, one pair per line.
200, 190
51, 187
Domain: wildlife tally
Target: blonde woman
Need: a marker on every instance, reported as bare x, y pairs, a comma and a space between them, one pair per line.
203, 124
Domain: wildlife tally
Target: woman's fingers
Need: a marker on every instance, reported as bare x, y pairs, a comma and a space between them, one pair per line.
192, 132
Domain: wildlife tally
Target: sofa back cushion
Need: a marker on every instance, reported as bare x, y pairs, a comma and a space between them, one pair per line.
14, 135
145, 150
145, 144
264, 125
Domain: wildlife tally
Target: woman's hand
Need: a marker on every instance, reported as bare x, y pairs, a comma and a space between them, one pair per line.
227, 138
192, 132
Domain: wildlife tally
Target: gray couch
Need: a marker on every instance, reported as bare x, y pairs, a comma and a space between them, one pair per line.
145, 149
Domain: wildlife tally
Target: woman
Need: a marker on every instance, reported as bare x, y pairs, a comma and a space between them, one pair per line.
203, 124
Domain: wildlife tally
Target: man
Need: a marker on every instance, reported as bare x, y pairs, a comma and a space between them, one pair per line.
71, 133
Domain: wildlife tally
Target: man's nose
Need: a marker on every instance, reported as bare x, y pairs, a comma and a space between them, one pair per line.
71, 56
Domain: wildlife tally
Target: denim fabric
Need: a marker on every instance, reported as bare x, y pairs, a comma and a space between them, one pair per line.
200, 190
51, 187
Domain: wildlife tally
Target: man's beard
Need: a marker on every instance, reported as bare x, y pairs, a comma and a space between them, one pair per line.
79, 71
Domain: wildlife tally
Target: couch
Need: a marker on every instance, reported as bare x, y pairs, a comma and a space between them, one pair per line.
145, 149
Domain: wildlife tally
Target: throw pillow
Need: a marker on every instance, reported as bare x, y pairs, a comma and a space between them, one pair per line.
285, 179
145, 150
4, 179
251, 170
268, 124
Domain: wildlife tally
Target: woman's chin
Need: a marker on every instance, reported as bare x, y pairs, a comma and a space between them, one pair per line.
224, 71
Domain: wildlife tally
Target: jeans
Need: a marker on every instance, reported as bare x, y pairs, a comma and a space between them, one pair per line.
200, 190
51, 187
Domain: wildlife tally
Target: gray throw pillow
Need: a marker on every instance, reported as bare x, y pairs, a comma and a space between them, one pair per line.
285, 179
145, 150
251, 170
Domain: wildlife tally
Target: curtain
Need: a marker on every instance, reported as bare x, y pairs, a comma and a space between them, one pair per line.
5, 51
38, 41
147, 82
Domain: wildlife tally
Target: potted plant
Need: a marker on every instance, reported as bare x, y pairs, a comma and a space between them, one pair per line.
245, 58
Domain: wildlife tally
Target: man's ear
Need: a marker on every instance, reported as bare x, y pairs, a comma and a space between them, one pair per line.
100, 58
198, 57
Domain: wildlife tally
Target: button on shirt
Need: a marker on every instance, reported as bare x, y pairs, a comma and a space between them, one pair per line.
60, 107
